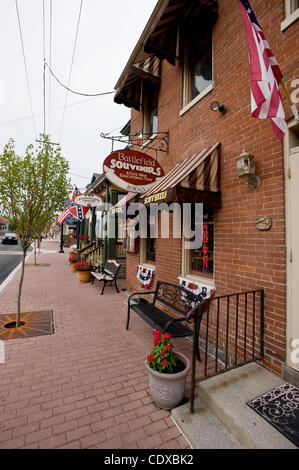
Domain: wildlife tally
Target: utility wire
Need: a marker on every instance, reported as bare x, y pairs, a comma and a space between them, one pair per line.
44, 66
50, 60
71, 68
77, 92
85, 177
52, 111
26, 70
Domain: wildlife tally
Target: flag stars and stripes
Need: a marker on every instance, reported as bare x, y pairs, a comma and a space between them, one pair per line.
265, 74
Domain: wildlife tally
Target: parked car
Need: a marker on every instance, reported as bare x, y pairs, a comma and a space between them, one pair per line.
10, 237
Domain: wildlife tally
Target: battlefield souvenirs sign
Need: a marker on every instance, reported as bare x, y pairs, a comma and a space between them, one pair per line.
132, 170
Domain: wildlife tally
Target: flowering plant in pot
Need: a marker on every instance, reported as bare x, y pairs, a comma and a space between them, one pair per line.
73, 258
83, 269
167, 372
84, 240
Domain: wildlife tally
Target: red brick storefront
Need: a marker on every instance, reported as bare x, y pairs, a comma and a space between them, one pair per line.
244, 257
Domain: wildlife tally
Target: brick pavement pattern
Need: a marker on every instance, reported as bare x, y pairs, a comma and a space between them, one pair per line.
85, 386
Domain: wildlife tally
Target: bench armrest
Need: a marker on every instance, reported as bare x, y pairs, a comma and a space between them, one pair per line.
197, 307
139, 293
170, 322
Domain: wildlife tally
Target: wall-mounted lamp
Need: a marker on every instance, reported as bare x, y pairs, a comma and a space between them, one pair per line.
215, 106
246, 169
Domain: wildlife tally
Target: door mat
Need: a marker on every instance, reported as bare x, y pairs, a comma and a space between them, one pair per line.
34, 324
280, 407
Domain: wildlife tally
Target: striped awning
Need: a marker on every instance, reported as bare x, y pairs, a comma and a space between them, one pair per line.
162, 36
120, 204
196, 179
129, 91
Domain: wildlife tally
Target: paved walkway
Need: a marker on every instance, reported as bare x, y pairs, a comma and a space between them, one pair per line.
86, 385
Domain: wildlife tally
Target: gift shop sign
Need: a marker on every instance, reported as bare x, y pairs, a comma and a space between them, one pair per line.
131, 170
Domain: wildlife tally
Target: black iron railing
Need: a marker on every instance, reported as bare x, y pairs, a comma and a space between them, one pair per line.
232, 334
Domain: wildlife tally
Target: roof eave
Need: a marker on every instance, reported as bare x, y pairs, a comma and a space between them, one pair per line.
138, 53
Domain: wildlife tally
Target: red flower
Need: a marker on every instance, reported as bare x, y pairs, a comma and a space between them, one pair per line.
150, 358
164, 362
168, 347
167, 336
162, 352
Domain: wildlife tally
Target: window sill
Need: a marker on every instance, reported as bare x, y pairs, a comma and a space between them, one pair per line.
149, 140
201, 280
197, 99
148, 265
289, 20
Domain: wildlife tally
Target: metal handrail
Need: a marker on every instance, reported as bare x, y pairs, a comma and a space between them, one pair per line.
237, 346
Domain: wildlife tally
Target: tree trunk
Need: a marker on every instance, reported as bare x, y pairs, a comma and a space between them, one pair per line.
20, 290
35, 252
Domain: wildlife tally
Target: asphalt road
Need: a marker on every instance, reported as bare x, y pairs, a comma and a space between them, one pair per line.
8, 261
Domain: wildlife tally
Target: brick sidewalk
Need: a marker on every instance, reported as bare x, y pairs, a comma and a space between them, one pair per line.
86, 385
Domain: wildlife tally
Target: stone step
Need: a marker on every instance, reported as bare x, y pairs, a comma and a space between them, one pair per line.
202, 429
226, 396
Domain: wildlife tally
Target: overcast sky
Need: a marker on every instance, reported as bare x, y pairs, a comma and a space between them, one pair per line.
108, 32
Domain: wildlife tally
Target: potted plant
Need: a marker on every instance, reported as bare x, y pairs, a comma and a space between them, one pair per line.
84, 240
167, 372
73, 258
83, 269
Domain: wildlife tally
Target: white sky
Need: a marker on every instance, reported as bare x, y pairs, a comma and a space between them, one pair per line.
107, 35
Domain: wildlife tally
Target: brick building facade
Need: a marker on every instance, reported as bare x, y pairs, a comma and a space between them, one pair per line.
244, 257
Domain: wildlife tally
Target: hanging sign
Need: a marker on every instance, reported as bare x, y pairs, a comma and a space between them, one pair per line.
132, 170
89, 201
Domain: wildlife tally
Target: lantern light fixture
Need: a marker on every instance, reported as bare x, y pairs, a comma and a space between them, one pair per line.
215, 106
246, 169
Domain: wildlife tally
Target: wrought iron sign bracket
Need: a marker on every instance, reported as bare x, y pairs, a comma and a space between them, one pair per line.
159, 141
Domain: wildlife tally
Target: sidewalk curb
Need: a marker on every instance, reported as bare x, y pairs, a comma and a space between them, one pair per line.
12, 274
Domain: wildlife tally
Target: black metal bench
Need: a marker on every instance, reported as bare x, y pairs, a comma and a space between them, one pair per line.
108, 275
180, 300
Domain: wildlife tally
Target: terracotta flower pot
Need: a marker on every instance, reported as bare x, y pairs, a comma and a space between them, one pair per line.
83, 276
168, 389
72, 266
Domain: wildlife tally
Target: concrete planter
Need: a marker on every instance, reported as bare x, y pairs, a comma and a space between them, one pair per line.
168, 390
83, 276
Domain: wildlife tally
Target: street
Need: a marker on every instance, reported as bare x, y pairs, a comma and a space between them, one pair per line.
9, 259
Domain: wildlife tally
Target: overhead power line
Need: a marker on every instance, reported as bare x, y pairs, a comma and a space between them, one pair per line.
52, 111
44, 65
25, 65
77, 92
71, 68
50, 60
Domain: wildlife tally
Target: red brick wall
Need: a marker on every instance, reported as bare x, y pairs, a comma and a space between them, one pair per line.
245, 258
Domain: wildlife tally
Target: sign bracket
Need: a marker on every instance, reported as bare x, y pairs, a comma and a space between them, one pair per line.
159, 141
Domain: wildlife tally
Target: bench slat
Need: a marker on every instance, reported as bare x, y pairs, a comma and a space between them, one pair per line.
158, 320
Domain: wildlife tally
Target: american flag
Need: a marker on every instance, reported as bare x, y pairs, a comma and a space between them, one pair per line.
69, 203
265, 74
64, 215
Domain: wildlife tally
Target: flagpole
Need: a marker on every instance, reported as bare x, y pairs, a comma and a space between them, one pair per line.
289, 99
61, 239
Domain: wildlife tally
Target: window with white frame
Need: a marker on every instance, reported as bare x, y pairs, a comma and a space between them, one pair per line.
150, 108
199, 261
198, 62
291, 13
290, 7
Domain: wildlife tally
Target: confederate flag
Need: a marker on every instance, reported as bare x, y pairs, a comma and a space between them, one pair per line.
79, 212
265, 74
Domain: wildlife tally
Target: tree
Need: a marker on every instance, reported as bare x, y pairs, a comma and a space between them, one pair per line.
33, 189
